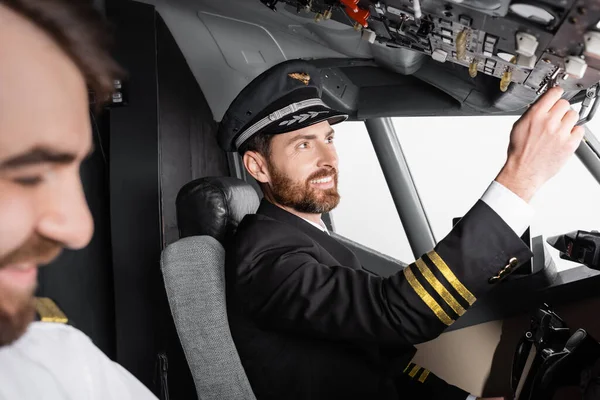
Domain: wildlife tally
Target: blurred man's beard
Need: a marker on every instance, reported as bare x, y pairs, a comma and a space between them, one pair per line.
301, 196
16, 313
17, 307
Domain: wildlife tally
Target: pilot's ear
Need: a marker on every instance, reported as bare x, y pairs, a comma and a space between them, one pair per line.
256, 166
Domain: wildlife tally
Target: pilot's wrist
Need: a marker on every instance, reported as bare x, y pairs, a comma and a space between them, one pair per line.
522, 184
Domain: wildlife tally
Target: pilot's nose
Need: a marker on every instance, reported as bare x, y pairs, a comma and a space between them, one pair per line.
66, 217
328, 157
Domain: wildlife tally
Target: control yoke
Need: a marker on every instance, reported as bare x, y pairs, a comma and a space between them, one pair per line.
579, 246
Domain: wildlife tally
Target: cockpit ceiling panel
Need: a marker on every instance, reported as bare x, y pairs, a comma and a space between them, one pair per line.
533, 44
255, 49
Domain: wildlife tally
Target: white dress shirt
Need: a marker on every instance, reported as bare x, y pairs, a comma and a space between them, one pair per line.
320, 226
58, 362
515, 211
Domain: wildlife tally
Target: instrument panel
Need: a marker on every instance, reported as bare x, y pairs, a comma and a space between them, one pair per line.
534, 44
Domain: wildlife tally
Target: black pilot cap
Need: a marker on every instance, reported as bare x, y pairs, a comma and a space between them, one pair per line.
285, 98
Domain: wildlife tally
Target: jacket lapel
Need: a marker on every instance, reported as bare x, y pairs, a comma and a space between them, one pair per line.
341, 253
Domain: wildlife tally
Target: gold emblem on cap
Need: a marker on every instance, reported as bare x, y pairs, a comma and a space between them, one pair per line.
300, 76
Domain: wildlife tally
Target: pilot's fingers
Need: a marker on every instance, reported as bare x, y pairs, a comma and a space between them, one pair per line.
577, 134
574, 141
548, 99
570, 119
559, 110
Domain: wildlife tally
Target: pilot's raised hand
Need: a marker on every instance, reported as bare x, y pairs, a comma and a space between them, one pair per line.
541, 142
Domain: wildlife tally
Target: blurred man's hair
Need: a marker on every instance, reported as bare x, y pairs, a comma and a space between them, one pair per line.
79, 30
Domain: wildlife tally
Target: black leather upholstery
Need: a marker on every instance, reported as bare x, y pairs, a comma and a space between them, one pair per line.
214, 207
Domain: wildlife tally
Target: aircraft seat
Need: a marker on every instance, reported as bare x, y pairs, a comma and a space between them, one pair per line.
208, 213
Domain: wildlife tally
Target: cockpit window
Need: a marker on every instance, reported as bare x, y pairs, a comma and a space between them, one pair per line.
366, 213
452, 160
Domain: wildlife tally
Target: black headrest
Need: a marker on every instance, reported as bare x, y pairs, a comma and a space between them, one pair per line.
214, 207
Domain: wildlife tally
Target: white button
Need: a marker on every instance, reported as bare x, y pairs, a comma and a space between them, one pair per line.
369, 35
592, 44
526, 44
575, 67
491, 39
439, 55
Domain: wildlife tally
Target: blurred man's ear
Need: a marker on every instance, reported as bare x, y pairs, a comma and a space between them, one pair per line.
256, 165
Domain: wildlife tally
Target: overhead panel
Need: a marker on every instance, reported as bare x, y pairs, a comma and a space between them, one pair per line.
535, 45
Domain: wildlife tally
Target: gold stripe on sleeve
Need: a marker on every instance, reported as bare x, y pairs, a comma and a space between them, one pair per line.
426, 297
424, 376
449, 275
414, 371
439, 288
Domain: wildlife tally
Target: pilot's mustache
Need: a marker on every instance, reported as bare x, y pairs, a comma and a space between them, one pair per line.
323, 174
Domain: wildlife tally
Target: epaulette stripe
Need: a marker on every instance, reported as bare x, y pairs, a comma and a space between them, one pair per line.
449, 275
49, 311
439, 288
407, 367
426, 297
414, 371
424, 376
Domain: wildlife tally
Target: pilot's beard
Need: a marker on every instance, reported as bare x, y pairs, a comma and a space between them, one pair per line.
300, 196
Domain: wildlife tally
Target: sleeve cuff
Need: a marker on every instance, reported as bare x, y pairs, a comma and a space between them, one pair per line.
515, 211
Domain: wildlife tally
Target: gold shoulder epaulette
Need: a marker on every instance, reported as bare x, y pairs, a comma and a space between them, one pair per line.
48, 311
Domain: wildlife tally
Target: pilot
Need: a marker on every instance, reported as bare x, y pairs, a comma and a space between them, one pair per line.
50, 50
309, 321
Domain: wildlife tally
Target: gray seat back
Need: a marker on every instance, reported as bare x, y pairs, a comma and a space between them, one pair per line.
195, 282
208, 213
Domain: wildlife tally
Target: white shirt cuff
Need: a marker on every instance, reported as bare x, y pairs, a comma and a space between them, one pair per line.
471, 397
515, 211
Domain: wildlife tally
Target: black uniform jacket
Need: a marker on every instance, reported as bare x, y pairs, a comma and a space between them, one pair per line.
310, 323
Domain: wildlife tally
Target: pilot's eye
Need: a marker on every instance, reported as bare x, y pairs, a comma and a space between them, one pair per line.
303, 145
330, 139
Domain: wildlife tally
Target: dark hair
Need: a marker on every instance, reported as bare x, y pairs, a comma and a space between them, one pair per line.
80, 31
260, 143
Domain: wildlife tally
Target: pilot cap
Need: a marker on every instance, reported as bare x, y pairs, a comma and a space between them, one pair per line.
285, 98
